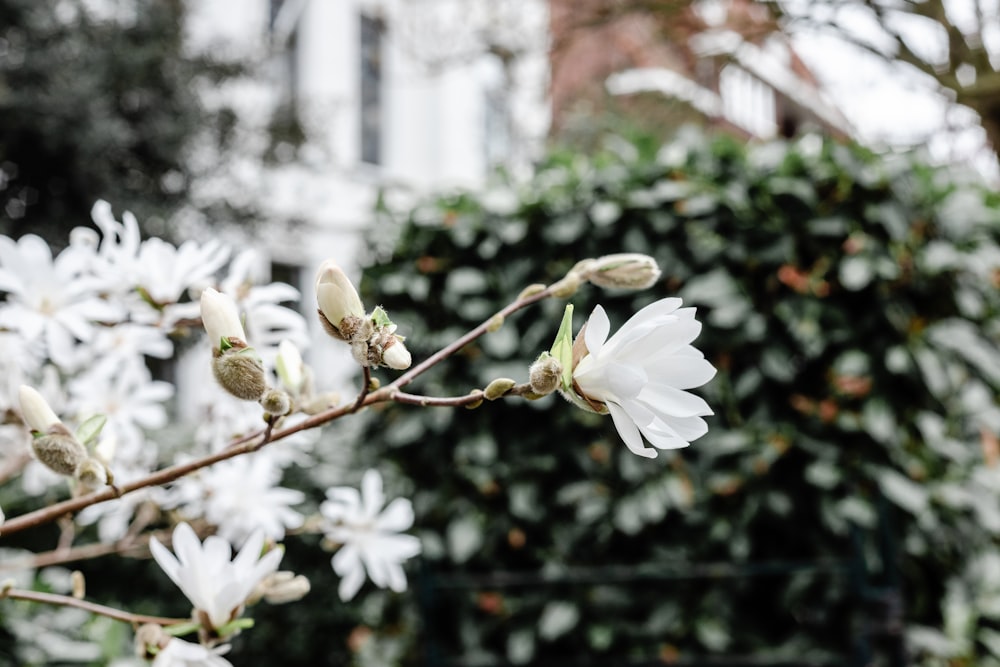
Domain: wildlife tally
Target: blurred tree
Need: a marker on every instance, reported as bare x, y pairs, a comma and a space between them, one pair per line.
98, 106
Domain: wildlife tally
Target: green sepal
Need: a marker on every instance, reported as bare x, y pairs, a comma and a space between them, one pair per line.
380, 318
234, 625
88, 431
224, 344
562, 347
181, 629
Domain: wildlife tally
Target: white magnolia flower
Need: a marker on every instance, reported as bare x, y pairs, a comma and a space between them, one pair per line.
641, 373
215, 585
242, 495
179, 653
370, 537
51, 300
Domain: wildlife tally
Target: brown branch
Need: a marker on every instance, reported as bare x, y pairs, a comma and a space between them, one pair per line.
102, 610
438, 401
245, 444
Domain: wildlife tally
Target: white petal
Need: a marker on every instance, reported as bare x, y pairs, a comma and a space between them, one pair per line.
629, 432
398, 516
682, 372
598, 327
625, 381
372, 497
667, 400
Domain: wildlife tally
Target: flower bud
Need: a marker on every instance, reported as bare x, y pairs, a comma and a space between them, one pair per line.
221, 319
498, 388
79, 583
280, 588
91, 473
276, 402
240, 372
35, 410
395, 355
291, 370
150, 636
60, 452
567, 286
337, 299
629, 270
545, 374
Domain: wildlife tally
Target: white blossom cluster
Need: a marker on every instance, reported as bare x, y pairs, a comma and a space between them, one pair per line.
80, 327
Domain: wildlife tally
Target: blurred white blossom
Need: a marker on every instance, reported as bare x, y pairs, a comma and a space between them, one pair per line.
179, 653
370, 537
240, 496
51, 300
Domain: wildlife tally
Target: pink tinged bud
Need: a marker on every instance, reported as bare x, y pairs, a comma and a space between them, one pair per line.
36, 411
221, 318
336, 297
396, 356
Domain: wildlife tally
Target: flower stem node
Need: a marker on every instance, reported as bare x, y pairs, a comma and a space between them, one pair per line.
498, 388
240, 372
276, 402
628, 271
545, 374
567, 286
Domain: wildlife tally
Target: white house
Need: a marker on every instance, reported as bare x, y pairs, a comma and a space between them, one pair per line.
411, 95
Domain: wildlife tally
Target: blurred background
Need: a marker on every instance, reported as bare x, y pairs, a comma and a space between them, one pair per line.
818, 178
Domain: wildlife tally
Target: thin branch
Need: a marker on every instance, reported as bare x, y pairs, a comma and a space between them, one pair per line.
366, 386
245, 444
438, 401
67, 601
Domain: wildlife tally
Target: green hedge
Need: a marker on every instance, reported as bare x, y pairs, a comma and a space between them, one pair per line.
850, 304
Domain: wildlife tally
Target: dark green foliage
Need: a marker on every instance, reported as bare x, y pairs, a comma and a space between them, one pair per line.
849, 302
93, 109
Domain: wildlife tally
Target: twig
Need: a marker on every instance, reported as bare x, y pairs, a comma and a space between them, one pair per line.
245, 444
67, 601
438, 401
366, 386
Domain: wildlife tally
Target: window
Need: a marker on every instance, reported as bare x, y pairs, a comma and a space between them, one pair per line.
747, 101
372, 30
496, 126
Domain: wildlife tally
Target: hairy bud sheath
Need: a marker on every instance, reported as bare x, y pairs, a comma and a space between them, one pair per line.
632, 271
276, 402
498, 388
545, 374
240, 372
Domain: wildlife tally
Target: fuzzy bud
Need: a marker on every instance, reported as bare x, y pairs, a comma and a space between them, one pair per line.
280, 588
632, 271
545, 374
60, 452
79, 584
337, 299
498, 388
221, 320
150, 636
241, 373
91, 473
567, 286
531, 290
37, 414
395, 355
276, 402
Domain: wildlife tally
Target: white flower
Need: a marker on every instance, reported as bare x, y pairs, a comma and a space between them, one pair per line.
336, 295
241, 495
371, 540
215, 585
179, 653
640, 375
50, 300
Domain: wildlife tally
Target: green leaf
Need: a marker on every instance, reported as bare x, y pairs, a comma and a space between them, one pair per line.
562, 348
380, 318
88, 431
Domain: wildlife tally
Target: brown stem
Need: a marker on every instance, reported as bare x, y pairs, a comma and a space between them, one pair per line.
438, 401
245, 444
67, 601
366, 386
